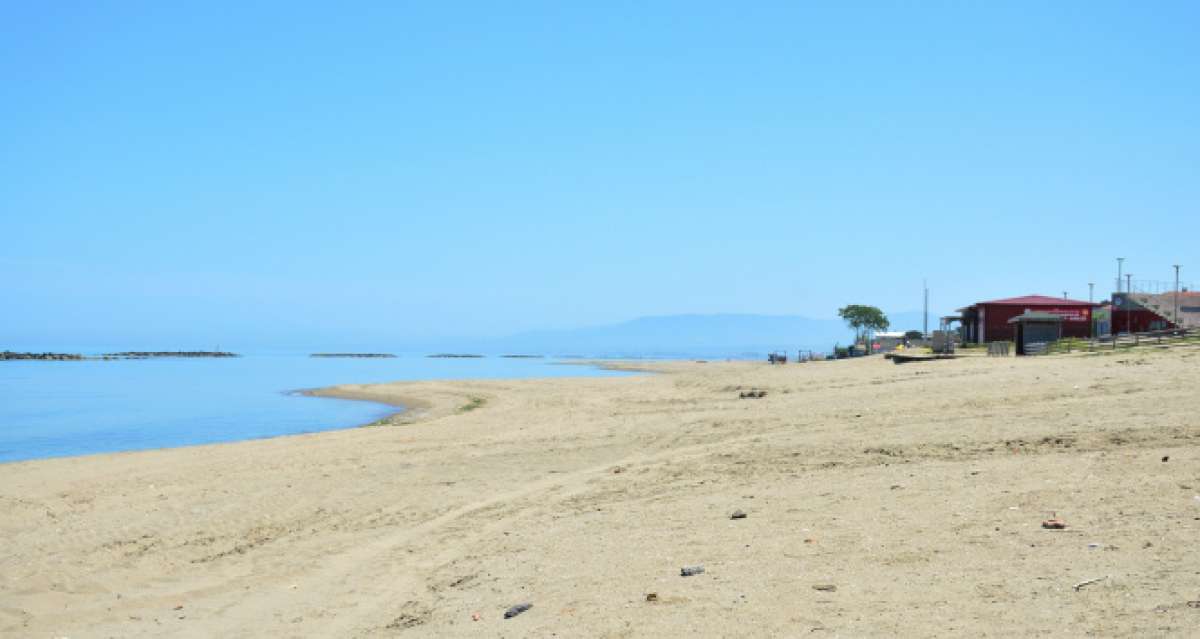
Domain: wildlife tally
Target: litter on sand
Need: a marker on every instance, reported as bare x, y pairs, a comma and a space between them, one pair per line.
516, 610
1054, 524
1089, 582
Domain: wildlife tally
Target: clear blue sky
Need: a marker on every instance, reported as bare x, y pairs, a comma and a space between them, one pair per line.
246, 172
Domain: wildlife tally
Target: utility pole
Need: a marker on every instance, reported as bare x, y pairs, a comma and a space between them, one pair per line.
1092, 311
1176, 295
925, 285
1120, 260
1129, 282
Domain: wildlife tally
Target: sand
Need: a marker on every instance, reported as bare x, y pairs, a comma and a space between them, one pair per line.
912, 496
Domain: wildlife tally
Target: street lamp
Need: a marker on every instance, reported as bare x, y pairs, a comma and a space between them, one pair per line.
1120, 260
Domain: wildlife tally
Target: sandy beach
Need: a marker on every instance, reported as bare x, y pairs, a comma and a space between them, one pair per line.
880, 500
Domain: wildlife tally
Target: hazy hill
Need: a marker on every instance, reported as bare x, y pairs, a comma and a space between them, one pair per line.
726, 335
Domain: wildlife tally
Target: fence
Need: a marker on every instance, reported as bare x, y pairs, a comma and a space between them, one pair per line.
1167, 337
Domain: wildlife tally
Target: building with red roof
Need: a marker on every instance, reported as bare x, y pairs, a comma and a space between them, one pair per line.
984, 322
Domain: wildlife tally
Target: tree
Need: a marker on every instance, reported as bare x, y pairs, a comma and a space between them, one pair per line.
910, 335
863, 319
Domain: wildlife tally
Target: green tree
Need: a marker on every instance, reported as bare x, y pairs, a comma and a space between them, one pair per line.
863, 319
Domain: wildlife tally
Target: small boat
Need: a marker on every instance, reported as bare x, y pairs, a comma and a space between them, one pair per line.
904, 358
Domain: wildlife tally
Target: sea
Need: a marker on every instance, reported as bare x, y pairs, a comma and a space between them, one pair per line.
65, 408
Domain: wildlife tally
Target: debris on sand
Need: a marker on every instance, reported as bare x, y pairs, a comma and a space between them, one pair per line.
652, 597
825, 587
738, 514
754, 394
689, 571
1089, 582
516, 610
1054, 524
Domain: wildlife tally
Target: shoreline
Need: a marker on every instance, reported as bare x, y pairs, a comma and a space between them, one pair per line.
409, 407
416, 408
386, 419
396, 408
392, 411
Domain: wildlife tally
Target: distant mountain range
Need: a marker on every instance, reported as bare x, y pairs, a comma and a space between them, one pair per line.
725, 335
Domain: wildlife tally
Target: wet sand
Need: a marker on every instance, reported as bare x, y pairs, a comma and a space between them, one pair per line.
912, 496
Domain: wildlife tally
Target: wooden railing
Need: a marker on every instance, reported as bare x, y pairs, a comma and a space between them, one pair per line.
1166, 337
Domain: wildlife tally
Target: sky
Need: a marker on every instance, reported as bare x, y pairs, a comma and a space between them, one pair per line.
293, 172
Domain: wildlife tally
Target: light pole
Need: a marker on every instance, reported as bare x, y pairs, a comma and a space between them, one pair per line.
1120, 260
925, 327
1091, 291
1128, 304
1176, 295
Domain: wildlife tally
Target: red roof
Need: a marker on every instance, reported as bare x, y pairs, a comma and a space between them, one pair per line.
1036, 300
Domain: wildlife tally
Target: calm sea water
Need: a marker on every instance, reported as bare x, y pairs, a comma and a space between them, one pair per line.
53, 409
